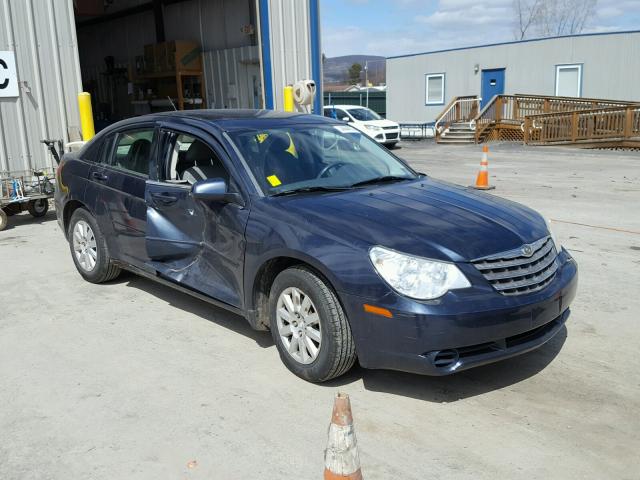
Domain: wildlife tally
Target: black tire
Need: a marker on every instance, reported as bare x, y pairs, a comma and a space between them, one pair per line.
12, 209
3, 220
337, 352
38, 208
104, 269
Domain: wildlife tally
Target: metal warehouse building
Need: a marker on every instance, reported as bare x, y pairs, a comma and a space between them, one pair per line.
603, 65
133, 54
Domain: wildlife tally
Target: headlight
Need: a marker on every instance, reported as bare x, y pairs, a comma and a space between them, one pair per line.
416, 277
556, 243
375, 128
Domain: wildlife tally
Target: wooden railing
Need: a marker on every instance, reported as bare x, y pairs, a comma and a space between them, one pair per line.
503, 117
460, 109
614, 126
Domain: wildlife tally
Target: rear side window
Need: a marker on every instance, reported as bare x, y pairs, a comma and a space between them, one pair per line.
133, 151
93, 152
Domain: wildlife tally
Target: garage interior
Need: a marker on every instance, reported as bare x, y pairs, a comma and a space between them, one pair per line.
146, 56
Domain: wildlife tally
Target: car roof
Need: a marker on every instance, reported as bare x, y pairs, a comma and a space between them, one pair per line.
224, 119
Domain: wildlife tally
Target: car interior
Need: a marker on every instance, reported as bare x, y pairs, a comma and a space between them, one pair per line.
133, 151
192, 161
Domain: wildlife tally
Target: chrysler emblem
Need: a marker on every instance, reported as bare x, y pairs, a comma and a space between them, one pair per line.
527, 250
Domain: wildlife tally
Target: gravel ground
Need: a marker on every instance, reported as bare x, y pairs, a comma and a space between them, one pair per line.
133, 380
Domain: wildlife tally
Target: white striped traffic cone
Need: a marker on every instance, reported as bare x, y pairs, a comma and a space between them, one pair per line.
341, 460
482, 180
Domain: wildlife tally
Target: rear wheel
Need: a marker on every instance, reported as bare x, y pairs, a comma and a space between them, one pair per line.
309, 327
89, 250
38, 208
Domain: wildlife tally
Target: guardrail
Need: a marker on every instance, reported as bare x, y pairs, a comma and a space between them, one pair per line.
416, 131
613, 126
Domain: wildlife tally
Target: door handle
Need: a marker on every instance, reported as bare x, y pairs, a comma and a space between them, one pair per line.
164, 198
101, 177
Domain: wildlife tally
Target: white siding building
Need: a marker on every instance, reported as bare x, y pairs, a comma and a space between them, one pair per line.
603, 66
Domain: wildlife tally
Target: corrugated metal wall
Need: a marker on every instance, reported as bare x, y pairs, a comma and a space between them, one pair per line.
290, 41
42, 35
232, 78
610, 69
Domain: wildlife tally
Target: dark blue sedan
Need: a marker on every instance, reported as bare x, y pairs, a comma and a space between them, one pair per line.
308, 228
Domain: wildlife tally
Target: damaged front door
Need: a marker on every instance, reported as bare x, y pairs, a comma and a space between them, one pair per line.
198, 244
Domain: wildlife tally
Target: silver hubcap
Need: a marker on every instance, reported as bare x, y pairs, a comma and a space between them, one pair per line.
298, 325
84, 246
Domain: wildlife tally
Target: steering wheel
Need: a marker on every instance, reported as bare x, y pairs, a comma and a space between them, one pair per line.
328, 168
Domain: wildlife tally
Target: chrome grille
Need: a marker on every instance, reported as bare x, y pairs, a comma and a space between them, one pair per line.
523, 270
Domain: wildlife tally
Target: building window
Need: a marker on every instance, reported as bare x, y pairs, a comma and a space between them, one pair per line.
568, 80
434, 89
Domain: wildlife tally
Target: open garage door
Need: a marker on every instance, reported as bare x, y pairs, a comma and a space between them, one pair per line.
141, 57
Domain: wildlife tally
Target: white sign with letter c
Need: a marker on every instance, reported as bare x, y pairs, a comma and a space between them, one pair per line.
8, 76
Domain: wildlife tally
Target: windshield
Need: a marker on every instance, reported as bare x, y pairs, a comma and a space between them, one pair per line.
316, 157
364, 114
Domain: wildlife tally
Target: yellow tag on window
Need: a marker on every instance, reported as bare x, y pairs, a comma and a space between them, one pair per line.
261, 137
292, 148
274, 181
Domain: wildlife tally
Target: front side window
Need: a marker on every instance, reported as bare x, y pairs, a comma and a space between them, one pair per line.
364, 114
434, 88
192, 160
568, 80
316, 156
133, 151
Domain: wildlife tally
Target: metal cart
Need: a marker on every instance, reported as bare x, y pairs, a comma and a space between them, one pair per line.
28, 191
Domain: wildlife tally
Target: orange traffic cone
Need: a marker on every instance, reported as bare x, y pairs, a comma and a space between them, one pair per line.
341, 458
482, 180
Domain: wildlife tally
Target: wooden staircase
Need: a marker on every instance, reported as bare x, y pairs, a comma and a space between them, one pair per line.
455, 124
458, 132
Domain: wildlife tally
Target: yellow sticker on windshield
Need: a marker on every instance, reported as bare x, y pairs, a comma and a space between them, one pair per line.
292, 148
274, 181
261, 137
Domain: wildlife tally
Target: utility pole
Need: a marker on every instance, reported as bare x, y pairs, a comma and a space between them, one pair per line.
366, 80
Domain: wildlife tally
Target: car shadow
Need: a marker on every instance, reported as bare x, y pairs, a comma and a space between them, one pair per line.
198, 307
19, 219
452, 388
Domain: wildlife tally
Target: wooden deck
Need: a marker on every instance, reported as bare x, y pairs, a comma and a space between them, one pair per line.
544, 120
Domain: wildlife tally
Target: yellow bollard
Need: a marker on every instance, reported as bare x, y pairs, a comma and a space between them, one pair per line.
288, 99
86, 116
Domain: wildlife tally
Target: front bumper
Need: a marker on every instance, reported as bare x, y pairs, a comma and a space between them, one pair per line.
387, 136
459, 331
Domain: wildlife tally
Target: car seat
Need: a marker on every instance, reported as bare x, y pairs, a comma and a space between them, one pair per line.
138, 156
204, 164
282, 162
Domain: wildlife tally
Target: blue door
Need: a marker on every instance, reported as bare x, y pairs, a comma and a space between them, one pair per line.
492, 84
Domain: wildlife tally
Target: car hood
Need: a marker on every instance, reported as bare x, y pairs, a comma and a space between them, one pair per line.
379, 123
425, 217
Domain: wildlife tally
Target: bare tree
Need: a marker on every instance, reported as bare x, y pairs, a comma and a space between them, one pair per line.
549, 18
527, 12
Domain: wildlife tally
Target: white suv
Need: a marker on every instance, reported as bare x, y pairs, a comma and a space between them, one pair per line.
367, 121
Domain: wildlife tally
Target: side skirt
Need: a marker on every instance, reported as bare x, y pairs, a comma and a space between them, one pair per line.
153, 275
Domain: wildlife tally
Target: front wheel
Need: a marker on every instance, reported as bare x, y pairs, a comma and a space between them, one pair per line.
309, 327
38, 208
3, 219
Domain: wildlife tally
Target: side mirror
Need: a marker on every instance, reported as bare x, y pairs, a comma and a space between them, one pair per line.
215, 190
346, 119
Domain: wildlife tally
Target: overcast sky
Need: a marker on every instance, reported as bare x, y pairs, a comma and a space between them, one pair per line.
395, 27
